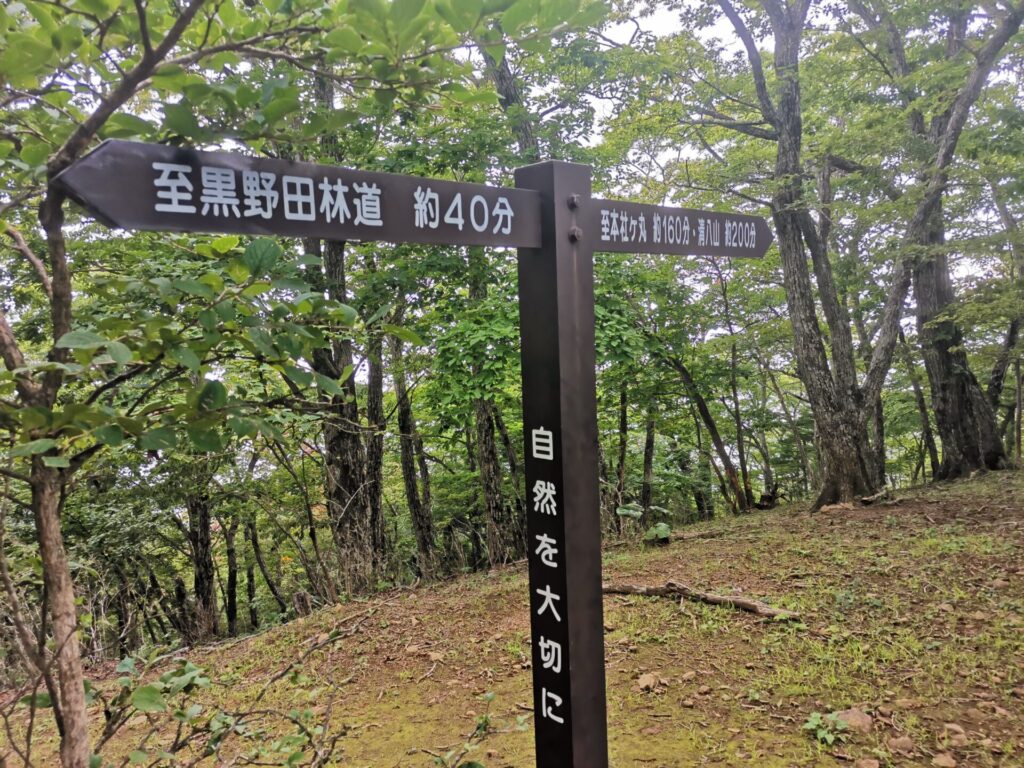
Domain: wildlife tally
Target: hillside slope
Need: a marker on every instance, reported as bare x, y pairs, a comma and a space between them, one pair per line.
912, 614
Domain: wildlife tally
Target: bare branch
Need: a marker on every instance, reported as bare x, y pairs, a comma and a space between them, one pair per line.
754, 55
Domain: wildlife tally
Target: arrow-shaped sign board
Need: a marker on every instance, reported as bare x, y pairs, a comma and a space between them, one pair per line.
132, 185
611, 225
556, 225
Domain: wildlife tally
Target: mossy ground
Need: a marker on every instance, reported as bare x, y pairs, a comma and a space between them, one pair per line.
913, 613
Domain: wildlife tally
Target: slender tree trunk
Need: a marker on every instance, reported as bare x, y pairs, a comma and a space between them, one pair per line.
375, 450
927, 437
620, 461
794, 429
231, 592
513, 468
646, 489
250, 594
1020, 408
420, 513
738, 497
504, 542
47, 502
257, 553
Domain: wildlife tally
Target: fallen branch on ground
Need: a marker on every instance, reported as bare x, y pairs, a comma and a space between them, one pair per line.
675, 589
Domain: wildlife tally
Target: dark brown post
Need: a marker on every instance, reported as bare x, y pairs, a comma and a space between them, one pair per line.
556, 303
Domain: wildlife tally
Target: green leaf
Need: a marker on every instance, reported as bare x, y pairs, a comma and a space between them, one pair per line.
109, 434
328, 385
57, 462
148, 698
519, 15
23, 54
138, 757
345, 39
204, 438
126, 666
213, 395
119, 352
225, 244
159, 439
33, 447
300, 376
261, 256
80, 339
186, 357
405, 334
403, 12
238, 272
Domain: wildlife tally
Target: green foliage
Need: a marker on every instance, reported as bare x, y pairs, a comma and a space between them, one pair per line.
826, 729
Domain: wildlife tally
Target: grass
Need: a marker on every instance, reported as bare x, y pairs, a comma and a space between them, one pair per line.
911, 613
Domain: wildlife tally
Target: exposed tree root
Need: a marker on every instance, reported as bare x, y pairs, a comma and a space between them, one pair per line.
675, 589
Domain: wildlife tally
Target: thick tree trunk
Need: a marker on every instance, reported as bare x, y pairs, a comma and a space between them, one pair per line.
231, 591
47, 501
198, 506
348, 500
647, 487
419, 512
963, 414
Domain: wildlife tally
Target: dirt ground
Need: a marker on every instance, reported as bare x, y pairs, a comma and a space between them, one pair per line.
912, 621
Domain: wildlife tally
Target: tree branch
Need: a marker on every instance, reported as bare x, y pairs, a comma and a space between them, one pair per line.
23, 248
754, 55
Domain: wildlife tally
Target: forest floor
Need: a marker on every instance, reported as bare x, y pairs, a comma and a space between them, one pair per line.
912, 616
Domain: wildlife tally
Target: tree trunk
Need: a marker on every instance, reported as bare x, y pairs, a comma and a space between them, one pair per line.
620, 461
513, 468
963, 414
47, 501
375, 450
739, 497
647, 487
231, 592
420, 513
198, 505
257, 553
794, 429
250, 595
927, 437
504, 542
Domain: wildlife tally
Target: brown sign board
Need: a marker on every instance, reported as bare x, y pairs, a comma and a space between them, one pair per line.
131, 185
612, 225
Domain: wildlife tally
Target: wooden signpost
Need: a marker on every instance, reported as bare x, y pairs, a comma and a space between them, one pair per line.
557, 226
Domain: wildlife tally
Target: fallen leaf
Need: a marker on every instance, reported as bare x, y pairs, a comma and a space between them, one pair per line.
867, 762
944, 760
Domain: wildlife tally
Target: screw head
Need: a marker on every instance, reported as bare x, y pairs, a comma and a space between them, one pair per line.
574, 201
575, 234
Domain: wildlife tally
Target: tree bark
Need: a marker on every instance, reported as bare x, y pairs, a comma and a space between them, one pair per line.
375, 450
250, 595
231, 591
199, 505
419, 512
927, 436
620, 456
47, 502
257, 553
739, 497
647, 487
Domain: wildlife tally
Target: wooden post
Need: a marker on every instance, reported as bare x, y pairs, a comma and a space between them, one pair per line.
556, 302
